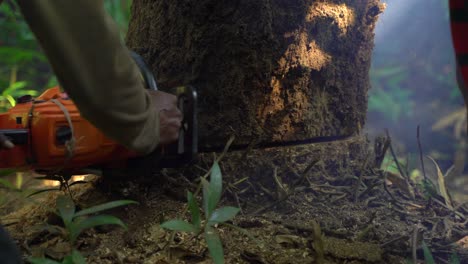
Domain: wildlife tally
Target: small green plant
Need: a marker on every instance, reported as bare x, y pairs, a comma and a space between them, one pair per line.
76, 222
429, 258
14, 90
211, 196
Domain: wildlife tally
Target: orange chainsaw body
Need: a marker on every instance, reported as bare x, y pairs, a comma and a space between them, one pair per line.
41, 120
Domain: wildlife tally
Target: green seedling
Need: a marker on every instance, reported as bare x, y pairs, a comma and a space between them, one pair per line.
74, 258
211, 196
454, 259
77, 222
5, 183
429, 259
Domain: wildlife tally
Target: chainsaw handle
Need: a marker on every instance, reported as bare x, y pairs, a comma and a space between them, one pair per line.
185, 149
145, 71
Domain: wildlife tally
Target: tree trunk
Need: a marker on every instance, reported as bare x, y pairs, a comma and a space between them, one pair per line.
267, 71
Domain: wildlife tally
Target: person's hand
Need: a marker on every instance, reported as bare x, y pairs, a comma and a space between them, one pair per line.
170, 117
5, 143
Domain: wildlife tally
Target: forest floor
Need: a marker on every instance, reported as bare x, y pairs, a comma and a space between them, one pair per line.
355, 216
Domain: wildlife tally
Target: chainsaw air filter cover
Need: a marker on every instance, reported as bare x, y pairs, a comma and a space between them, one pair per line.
42, 134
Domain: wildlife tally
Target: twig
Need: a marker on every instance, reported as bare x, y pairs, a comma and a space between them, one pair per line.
407, 165
358, 184
460, 206
238, 203
457, 213
414, 242
421, 155
300, 178
281, 190
399, 168
382, 147
393, 240
369, 189
338, 198
386, 188
226, 148
271, 205
395, 157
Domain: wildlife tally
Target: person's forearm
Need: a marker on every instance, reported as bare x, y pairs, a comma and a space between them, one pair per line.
94, 67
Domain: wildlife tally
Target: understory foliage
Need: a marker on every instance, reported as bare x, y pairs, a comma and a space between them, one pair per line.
76, 222
24, 69
413, 78
411, 179
212, 191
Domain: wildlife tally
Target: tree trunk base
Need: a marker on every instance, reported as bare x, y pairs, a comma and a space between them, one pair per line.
270, 174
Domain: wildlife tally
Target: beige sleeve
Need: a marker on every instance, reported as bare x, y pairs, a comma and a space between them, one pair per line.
94, 67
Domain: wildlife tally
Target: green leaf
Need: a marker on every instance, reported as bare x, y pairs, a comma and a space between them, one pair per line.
387, 71
7, 184
30, 193
454, 259
427, 254
26, 92
179, 225
52, 82
15, 55
194, 210
13, 87
77, 257
223, 214
66, 209
206, 197
105, 206
10, 100
77, 227
214, 245
67, 260
441, 184
6, 172
216, 186
42, 261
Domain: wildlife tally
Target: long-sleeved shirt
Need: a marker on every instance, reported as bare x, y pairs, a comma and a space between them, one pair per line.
459, 30
94, 67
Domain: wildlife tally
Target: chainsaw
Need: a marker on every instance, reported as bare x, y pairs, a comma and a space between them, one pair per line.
42, 129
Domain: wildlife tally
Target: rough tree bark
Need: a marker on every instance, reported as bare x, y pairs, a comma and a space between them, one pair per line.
266, 70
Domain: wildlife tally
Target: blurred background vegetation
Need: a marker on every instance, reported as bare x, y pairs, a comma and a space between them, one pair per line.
413, 81
24, 68
412, 75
